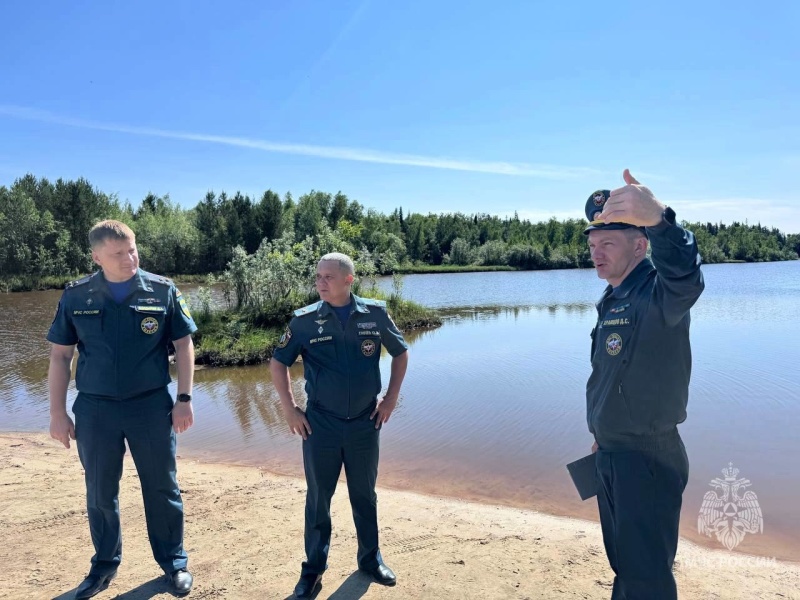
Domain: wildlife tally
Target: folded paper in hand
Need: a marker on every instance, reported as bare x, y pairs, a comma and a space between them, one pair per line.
584, 475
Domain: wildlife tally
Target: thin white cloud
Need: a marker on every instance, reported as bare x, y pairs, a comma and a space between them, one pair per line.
782, 214
542, 171
770, 213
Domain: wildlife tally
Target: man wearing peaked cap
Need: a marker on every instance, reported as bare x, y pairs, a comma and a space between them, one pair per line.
594, 209
638, 389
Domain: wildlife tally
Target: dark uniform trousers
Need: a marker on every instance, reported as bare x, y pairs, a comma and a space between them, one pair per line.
102, 425
334, 442
639, 496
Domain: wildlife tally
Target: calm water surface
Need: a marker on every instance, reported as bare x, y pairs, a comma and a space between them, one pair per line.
493, 406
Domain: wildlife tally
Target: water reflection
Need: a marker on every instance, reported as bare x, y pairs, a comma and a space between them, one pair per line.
494, 403
247, 393
478, 313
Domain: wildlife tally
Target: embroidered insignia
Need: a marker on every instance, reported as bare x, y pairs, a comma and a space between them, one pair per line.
148, 301
619, 309
368, 347
184, 308
89, 302
598, 198
149, 325
284, 341
367, 325
614, 344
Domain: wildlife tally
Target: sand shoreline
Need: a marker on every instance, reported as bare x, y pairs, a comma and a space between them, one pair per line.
244, 537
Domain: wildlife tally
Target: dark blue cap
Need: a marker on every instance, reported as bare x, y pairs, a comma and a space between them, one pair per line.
594, 206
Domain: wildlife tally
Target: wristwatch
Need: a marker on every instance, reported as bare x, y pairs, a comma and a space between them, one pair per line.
669, 215
184, 397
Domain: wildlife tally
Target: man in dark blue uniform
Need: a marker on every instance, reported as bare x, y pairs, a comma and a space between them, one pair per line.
122, 320
340, 340
638, 390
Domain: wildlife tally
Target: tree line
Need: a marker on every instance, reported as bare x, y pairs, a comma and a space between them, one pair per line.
44, 227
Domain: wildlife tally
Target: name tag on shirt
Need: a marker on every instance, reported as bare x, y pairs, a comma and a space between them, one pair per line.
149, 309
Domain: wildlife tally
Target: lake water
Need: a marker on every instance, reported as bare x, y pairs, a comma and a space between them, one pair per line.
493, 406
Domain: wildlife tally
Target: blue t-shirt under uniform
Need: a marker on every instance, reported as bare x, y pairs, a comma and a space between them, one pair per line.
343, 313
119, 290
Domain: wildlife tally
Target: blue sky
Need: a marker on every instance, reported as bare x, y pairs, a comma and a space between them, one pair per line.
434, 106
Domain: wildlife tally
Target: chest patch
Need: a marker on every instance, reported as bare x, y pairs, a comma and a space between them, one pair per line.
149, 325
158, 310
618, 322
614, 344
368, 347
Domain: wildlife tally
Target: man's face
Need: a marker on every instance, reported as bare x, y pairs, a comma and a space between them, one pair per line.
333, 284
118, 258
614, 253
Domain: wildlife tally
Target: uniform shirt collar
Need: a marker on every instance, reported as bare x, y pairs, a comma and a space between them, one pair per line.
360, 305
357, 304
139, 283
633, 279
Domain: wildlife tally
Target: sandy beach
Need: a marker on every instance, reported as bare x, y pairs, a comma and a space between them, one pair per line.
244, 538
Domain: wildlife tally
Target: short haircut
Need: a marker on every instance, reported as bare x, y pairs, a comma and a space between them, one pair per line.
633, 233
110, 230
345, 262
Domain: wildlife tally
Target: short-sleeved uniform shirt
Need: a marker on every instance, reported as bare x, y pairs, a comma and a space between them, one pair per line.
123, 347
341, 365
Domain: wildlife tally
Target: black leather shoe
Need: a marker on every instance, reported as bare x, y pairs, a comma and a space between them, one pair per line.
93, 585
181, 581
382, 574
307, 585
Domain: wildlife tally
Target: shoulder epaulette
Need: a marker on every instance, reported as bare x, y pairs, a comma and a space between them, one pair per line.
157, 278
80, 281
307, 310
373, 302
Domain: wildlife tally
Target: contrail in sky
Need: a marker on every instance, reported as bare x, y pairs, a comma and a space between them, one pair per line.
543, 171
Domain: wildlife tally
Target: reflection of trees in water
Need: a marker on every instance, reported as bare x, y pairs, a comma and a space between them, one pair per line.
412, 337
249, 394
482, 313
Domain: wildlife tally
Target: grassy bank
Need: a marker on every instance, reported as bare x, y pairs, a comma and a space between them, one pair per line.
420, 269
228, 338
33, 283
204, 279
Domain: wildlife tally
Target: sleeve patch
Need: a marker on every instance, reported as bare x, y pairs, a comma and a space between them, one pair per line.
284, 341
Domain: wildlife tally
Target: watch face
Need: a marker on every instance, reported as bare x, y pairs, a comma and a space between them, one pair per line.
184, 398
